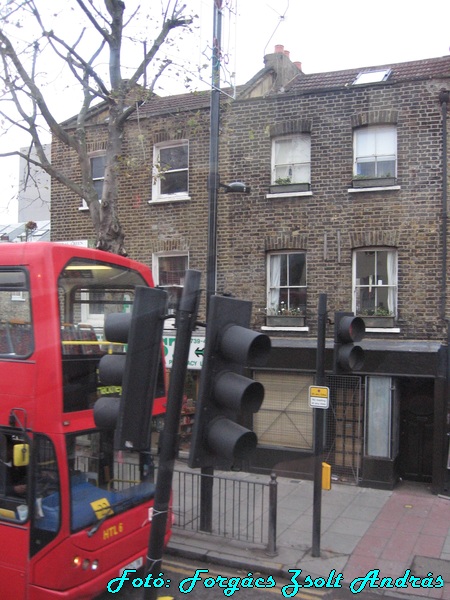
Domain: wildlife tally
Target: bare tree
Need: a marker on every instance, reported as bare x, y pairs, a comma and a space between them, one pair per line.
23, 100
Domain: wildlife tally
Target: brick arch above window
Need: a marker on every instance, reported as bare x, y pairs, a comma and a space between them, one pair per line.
97, 146
286, 242
290, 127
374, 238
375, 117
171, 245
170, 136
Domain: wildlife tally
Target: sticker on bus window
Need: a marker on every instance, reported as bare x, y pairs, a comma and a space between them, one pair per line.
102, 508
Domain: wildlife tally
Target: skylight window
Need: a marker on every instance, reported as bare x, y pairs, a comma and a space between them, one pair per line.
372, 77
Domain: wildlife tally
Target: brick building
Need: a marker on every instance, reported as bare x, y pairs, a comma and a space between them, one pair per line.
348, 198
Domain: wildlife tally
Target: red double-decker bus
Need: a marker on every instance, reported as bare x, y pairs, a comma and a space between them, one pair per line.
73, 511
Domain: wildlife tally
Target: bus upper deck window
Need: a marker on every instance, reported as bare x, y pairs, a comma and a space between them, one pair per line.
88, 290
16, 332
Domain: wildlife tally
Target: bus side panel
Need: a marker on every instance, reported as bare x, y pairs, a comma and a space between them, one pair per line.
18, 388
125, 535
13, 559
89, 589
12, 584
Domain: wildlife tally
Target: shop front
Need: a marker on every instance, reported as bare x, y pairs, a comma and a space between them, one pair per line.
385, 423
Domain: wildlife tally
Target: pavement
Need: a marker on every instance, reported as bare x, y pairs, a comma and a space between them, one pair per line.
365, 535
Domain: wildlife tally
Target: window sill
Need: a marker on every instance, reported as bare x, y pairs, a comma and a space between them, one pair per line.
170, 199
289, 195
382, 329
265, 328
374, 189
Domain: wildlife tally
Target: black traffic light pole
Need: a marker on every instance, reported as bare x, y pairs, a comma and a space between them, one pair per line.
185, 323
318, 426
207, 479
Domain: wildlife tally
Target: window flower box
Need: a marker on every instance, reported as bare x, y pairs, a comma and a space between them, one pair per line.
378, 322
289, 188
285, 321
364, 182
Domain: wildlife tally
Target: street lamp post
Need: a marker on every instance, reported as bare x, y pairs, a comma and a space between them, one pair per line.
213, 177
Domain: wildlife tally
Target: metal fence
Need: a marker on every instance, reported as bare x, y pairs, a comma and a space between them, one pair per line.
242, 509
345, 427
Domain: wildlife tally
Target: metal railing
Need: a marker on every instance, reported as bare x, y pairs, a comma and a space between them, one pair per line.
243, 509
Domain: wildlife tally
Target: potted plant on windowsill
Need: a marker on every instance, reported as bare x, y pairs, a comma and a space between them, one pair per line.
285, 317
363, 181
378, 317
284, 185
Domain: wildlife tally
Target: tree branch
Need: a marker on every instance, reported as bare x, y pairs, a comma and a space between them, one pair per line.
168, 26
77, 189
82, 64
8, 51
93, 20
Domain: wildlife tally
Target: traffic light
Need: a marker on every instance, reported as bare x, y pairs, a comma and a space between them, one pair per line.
136, 371
347, 330
225, 393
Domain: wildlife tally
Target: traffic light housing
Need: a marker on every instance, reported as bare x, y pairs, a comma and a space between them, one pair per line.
136, 371
348, 329
225, 394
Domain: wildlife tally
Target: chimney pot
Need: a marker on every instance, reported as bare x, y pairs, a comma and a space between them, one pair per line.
279, 48
298, 65
286, 53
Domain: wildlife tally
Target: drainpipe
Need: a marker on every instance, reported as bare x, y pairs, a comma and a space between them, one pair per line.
444, 98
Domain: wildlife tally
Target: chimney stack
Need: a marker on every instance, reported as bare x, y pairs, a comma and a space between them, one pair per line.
284, 70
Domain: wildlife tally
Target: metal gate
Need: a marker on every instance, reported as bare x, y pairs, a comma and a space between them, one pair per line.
344, 432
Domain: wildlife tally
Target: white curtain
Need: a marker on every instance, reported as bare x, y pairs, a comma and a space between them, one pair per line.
274, 283
392, 281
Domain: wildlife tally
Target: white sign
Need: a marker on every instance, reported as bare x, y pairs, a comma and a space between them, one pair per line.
196, 350
319, 396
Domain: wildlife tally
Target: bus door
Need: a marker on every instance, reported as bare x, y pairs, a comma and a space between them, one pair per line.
14, 512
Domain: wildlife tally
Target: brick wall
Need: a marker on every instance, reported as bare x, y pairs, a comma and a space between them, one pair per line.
331, 222
327, 225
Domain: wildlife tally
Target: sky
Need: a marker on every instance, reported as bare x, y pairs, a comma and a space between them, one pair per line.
324, 35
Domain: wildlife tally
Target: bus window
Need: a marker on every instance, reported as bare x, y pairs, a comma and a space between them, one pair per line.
47, 512
103, 482
16, 336
13, 478
88, 290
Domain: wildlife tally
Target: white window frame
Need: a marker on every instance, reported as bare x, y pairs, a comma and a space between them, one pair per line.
273, 301
156, 267
377, 150
377, 284
92, 157
287, 169
158, 172
98, 179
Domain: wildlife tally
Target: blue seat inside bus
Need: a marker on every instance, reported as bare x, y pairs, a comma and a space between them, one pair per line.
83, 494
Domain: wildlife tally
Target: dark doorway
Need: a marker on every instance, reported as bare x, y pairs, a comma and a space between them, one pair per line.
416, 430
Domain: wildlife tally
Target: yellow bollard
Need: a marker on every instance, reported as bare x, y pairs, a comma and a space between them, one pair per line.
326, 476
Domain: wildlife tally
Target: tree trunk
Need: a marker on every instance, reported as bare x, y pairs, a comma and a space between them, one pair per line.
110, 236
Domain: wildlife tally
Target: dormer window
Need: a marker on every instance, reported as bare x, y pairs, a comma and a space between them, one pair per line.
372, 77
